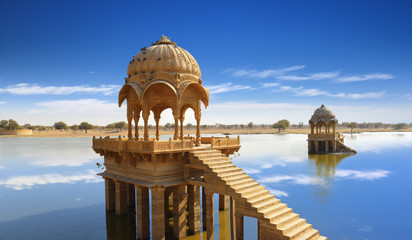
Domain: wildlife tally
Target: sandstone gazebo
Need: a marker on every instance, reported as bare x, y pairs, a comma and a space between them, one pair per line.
187, 170
323, 137
160, 77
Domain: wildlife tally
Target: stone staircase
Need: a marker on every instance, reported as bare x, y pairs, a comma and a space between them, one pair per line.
253, 195
341, 147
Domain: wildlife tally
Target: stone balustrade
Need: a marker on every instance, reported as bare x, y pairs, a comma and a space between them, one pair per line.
122, 144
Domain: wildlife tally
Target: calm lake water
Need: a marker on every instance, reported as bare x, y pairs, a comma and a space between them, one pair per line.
49, 188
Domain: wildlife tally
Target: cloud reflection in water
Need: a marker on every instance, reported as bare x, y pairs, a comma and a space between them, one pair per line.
27, 182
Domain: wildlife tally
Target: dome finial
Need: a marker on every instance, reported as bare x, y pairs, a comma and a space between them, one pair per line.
323, 105
164, 40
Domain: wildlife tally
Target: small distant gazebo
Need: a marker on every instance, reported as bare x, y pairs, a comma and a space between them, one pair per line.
323, 137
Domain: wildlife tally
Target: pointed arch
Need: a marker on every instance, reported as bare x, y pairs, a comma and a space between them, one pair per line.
202, 91
134, 87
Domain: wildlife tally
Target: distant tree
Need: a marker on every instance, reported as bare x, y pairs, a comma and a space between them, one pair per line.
352, 125
169, 125
28, 126
41, 128
4, 124
189, 126
60, 126
120, 125
400, 126
85, 126
281, 124
74, 127
250, 125
110, 126
12, 125
300, 124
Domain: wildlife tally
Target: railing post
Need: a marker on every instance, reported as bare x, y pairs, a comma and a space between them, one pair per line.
212, 141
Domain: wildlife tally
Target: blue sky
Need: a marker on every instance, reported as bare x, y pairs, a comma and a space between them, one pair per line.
263, 61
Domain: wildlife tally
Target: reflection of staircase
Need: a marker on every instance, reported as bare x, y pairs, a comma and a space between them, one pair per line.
254, 196
341, 147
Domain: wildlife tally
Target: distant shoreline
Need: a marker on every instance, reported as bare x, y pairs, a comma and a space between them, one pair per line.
192, 132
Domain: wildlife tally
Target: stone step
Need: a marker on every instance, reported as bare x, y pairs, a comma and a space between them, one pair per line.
242, 179
291, 226
311, 234
288, 221
214, 160
220, 164
273, 210
248, 193
263, 206
255, 194
245, 187
320, 238
234, 176
261, 200
228, 172
300, 231
208, 154
221, 171
282, 213
239, 184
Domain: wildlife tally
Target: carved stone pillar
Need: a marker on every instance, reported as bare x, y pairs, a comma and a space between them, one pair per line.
121, 197
194, 208
129, 121
110, 194
223, 202
158, 213
157, 119
198, 140
326, 146
182, 119
209, 216
136, 124
131, 196
239, 226
316, 146
142, 212
204, 209
176, 136
232, 219
179, 211
146, 128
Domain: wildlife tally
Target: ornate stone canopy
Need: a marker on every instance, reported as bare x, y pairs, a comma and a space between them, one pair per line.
159, 77
322, 114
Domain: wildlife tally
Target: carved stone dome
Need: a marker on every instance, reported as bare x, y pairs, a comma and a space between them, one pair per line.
163, 60
323, 114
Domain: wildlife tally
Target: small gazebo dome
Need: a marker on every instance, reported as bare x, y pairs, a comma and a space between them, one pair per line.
323, 114
163, 60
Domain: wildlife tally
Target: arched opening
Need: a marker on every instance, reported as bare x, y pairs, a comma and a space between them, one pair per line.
157, 97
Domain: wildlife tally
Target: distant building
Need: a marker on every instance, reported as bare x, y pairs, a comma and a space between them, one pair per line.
323, 137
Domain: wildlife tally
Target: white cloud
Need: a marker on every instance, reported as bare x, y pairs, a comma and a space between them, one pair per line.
27, 182
370, 175
313, 76
92, 72
77, 199
365, 229
268, 85
31, 89
75, 106
2, 103
253, 73
365, 77
227, 87
251, 170
301, 179
296, 179
278, 193
312, 92
2, 167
